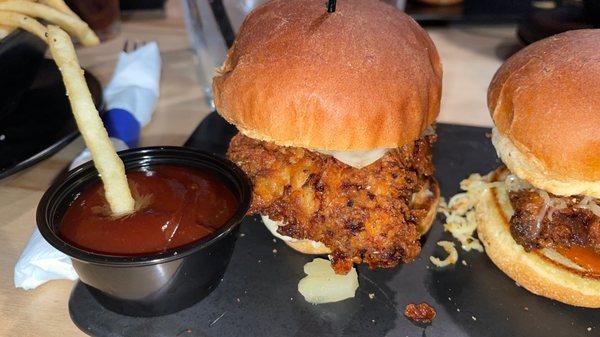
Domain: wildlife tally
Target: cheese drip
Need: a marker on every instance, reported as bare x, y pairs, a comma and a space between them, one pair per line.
360, 159
356, 159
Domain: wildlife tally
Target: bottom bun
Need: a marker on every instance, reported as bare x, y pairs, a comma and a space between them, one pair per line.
542, 272
428, 199
309, 247
302, 245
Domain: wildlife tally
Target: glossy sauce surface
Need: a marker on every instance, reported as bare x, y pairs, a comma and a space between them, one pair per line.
174, 206
584, 257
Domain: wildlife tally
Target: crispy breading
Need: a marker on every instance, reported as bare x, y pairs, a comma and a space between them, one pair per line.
362, 215
569, 226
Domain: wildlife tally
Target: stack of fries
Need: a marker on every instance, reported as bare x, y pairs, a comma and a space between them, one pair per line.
62, 22
24, 14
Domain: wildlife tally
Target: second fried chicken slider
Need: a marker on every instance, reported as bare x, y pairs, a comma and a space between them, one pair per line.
335, 113
542, 226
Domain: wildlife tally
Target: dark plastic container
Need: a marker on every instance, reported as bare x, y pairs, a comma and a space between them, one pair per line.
156, 284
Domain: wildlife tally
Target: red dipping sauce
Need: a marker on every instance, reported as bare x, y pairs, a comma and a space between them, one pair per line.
175, 205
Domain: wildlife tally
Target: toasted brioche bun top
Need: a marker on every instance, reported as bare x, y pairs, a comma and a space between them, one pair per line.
545, 100
366, 76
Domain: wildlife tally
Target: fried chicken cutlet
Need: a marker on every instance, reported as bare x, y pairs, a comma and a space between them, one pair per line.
363, 215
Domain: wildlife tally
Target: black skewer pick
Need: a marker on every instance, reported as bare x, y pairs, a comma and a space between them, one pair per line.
330, 6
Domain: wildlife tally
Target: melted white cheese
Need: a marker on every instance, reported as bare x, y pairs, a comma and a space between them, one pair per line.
360, 159
356, 159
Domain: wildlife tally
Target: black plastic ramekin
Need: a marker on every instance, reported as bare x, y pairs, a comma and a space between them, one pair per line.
160, 283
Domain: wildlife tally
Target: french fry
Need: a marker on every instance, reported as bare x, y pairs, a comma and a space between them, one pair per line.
60, 5
106, 160
16, 20
72, 24
5, 30
56, 4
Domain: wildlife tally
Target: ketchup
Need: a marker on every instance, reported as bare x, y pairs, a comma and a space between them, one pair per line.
175, 205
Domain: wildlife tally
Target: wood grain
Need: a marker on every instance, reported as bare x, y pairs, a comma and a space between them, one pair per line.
468, 56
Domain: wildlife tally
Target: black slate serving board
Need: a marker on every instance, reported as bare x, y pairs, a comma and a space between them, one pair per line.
258, 295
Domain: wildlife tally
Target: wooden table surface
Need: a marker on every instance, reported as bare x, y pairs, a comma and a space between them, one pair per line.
469, 55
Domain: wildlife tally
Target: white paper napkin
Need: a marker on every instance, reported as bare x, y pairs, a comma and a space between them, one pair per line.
135, 83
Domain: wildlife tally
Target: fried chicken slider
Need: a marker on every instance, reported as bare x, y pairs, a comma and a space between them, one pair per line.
335, 113
542, 226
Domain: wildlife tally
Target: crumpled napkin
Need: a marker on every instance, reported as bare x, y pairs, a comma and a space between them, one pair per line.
40, 263
130, 98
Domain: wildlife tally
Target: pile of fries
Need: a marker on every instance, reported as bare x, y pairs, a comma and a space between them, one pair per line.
62, 22
24, 14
